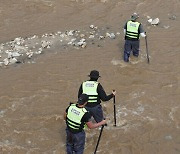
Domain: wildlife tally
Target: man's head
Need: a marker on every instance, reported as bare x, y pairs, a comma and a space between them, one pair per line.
94, 74
83, 99
134, 16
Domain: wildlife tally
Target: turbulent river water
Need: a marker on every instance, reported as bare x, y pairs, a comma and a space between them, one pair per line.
34, 95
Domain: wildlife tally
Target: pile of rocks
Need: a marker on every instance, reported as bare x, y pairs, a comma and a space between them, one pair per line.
155, 21
21, 49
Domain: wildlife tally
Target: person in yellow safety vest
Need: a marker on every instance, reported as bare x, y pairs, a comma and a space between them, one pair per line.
132, 30
76, 117
96, 94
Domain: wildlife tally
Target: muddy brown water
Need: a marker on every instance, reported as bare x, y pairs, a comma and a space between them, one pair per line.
33, 96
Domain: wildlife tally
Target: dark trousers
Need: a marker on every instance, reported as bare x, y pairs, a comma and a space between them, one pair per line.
75, 142
96, 112
131, 46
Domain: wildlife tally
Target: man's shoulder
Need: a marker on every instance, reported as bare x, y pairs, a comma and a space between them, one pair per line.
72, 104
100, 87
126, 22
87, 116
84, 81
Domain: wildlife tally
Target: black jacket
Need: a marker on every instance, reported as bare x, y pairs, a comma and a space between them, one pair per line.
101, 95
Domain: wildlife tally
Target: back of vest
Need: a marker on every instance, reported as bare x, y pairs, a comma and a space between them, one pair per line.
74, 116
90, 88
132, 31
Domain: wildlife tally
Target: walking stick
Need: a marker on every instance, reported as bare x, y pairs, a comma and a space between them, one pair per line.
114, 100
99, 139
147, 49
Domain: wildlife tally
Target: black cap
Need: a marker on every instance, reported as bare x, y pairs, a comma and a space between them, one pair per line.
94, 74
82, 99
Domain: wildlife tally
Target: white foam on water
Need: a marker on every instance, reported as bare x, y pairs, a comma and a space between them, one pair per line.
129, 118
149, 118
168, 86
119, 62
123, 111
135, 60
137, 94
2, 112
19, 102
171, 116
173, 110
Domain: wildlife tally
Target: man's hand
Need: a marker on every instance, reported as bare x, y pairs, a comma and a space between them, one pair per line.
114, 92
103, 122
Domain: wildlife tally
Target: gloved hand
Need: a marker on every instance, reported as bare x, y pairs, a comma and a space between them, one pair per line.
143, 34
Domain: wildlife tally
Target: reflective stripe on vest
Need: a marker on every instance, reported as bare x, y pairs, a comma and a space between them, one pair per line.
132, 30
74, 116
90, 88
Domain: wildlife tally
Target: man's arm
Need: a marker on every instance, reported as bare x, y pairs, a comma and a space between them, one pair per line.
95, 125
125, 27
80, 91
102, 93
65, 115
141, 31
87, 119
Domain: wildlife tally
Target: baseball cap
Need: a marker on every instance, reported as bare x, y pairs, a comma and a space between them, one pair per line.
134, 16
83, 99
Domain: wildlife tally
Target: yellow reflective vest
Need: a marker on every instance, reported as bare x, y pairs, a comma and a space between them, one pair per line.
74, 116
132, 30
90, 88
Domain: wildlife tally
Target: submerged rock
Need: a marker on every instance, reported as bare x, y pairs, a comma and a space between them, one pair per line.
155, 21
172, 17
